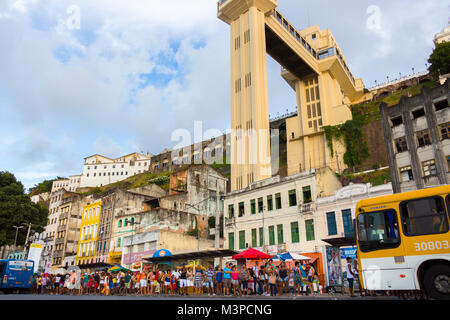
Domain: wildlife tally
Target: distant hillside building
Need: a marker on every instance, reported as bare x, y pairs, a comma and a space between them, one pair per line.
99, 170
443, 36
417, 138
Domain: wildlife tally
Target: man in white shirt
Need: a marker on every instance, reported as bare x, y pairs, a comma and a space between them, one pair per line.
350, 276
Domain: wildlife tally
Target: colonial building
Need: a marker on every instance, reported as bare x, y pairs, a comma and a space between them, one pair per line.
417, 138
277, 214
67, 230
100, 170
116, 204
88, 232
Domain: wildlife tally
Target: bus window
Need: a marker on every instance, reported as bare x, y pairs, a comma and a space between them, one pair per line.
424, 216
2, 266
378, 230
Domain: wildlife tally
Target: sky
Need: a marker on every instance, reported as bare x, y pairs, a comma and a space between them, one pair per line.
113, 77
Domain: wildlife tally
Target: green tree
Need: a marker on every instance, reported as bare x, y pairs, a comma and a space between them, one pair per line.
16, 209
440, 59
42, 187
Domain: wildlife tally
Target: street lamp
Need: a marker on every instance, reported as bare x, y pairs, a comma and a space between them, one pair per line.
17, 230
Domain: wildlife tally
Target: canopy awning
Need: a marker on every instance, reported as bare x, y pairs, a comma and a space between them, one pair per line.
252, 254
192, 255
341, 242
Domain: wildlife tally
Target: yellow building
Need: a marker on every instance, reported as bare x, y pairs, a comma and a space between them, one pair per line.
88, 233
313, 65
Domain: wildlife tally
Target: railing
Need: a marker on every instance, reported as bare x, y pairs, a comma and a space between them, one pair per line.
279, 17
229, 221
321, 55
306, 207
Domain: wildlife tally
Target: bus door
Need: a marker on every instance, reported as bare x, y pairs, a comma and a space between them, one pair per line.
381, 252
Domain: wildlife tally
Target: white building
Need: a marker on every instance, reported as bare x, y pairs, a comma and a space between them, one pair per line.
100, 170
277, 215
443, 36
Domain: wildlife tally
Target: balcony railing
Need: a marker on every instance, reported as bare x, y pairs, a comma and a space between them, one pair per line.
306, 207
279, 17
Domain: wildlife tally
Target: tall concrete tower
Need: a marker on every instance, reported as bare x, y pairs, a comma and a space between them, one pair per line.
250, 143
313, 65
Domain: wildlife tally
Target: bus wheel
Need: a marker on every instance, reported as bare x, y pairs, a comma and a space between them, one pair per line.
437, 282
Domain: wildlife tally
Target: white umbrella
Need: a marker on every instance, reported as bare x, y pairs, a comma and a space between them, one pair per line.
60, 271
288, 256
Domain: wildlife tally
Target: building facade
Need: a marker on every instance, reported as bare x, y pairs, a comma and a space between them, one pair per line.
417, 138
67, 230
277, 215
100, 170
88, 233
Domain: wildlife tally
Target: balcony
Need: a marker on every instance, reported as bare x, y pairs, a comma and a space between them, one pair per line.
230, 221
306, 208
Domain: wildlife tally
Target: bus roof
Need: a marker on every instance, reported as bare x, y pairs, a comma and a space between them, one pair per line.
399, 197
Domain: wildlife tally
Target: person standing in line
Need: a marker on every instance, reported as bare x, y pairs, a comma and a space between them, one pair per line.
297, 280
245, 277
198, 281
255, 276
190, 281
261, 281
209, 280
272, 282
235, 281
219, 281
350, 276
311, 274
284, 279
183, 282
227, 279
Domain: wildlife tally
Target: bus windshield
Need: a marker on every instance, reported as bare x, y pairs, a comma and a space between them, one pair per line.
378, 230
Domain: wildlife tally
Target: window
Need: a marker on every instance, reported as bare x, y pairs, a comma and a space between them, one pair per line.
348, 223
242, 239
400, 144
270, 202
378, 230
253, 206
445, 130
429, 168
254, 239
441, 105
280, 234
261, 237
120, 223
307, 194
241, 209
292, 198
231, 241
260, 205
278, 201
406, 174
397, 121
295, 234
331, 221
424, 216
271, 235
423, 138
309, 227
118, 243
448, 163
418, 113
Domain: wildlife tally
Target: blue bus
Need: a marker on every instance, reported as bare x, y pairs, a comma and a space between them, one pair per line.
15, 274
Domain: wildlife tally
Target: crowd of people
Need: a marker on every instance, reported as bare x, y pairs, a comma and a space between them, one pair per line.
261, 279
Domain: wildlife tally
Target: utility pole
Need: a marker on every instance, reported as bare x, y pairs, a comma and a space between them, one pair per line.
26, 241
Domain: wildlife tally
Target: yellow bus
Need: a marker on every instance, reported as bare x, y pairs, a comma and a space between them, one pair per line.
403, 242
